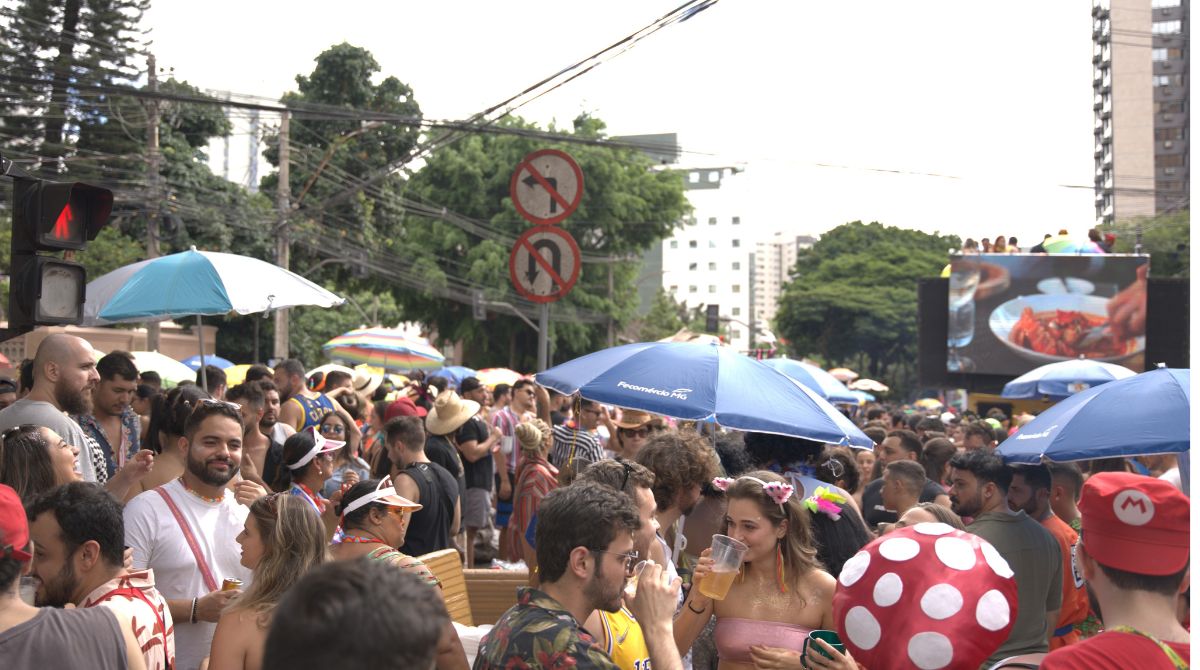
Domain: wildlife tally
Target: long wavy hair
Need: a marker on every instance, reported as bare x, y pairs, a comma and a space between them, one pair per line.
294, 540
25, 462
799, 550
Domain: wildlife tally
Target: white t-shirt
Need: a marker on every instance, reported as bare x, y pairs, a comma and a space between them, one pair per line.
158, 543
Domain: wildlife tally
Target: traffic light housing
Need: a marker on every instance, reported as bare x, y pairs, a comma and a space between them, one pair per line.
712, 319
51, 216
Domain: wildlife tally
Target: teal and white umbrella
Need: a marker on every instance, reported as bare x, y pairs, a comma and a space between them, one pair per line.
197, 283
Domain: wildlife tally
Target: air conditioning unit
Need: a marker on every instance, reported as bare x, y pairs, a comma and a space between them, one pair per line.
1167, 144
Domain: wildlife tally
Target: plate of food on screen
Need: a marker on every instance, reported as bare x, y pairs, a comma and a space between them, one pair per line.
1050, 328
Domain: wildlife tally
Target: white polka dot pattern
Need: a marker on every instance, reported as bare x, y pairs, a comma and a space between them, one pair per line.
853, 569
932, 528
930, 651
993, 612
955, 553
888, 589
941, 601
862, 628
995, 560
899, 549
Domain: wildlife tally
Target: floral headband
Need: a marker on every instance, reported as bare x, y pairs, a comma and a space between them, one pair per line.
826, 501
776, 491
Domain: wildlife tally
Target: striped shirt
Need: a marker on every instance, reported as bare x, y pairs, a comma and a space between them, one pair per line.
575, 445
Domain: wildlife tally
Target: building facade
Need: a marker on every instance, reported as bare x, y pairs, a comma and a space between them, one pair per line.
771, 268
1142, 94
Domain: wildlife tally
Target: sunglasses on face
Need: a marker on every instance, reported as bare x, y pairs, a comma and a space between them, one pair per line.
333, 430
635, 432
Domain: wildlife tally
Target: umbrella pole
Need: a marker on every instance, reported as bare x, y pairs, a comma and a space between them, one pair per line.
200, 338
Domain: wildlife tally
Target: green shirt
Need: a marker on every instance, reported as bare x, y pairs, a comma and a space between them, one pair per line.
1036, 561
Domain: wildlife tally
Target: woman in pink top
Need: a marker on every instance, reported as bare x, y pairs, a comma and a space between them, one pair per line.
780, 594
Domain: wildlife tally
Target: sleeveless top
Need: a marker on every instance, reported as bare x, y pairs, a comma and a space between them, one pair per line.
429, 528
626, 644
313, 408
79, 638
404, 562
734, 637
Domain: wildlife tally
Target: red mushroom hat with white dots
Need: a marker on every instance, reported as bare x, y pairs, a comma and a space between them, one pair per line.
927, 596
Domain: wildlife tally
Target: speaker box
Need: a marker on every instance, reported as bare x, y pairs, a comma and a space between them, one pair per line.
1167, 322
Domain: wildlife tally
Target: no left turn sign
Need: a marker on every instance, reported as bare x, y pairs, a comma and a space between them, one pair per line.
546, 187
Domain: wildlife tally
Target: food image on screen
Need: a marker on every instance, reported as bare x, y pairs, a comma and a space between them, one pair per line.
1061, 333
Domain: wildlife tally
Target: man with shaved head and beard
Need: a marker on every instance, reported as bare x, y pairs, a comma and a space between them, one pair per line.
64, 374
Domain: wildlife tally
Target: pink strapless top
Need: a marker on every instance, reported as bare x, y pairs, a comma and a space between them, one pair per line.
734, 637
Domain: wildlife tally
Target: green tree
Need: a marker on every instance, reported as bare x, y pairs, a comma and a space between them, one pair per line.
626, 206
1166, 237
664, 319
852, 299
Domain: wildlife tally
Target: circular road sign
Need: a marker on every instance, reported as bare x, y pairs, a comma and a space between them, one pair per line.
544, 264
546, 187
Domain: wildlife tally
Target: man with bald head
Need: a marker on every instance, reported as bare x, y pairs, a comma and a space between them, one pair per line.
64, 374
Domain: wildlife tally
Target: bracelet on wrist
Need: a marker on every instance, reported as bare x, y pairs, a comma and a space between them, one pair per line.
195, 602
702, 610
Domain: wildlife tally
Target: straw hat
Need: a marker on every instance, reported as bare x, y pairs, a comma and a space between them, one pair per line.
366, 380
634, 418
449, 413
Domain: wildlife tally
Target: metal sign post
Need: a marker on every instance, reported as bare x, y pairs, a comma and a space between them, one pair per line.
543, 355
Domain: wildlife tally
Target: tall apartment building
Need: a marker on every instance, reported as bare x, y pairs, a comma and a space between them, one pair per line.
707, 261
1141, 83
771, 267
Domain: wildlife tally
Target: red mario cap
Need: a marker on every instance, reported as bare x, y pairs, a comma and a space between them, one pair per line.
14, 528
1134, 523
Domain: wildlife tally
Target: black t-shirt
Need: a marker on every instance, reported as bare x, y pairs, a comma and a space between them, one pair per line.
872, 501
429, 529
272, 463
478, 474
440, 451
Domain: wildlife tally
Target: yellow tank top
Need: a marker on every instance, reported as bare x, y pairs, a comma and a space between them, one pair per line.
626, 645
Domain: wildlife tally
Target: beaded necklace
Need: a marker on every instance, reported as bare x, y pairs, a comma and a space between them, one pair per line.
201, 495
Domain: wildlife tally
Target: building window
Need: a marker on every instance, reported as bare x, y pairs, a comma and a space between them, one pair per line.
737, 265
1166, 27
694, 177
674, 244
712, 244
737, 220
712, 266
691, 289
714, 176
737, 243
712, 220
734, 333
1168, 134
737, 288
1164, 3
712, 288
1162, 80
692, 266
691, 244
674, 288
1158, 54
737, 311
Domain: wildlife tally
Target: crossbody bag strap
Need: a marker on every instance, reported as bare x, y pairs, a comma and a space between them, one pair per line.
205, 572
1174, 657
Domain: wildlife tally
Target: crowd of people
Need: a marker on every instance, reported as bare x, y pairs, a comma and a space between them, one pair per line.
1103, 243
280, 523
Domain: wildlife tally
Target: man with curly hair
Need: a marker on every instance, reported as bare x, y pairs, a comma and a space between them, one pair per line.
682, 462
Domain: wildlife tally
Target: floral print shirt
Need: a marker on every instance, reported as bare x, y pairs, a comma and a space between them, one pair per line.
538, 633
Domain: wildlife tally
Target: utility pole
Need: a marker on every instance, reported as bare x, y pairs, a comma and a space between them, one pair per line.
611, 334
252, 168
153, 158
282, 241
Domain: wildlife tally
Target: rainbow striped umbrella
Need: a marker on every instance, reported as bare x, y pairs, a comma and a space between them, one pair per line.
387, 348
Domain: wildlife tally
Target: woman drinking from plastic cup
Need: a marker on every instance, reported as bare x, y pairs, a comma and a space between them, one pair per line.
778, 595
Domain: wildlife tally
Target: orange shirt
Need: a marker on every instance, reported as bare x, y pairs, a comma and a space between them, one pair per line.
1074, 599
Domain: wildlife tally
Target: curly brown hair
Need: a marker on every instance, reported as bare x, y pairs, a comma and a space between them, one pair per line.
679, 461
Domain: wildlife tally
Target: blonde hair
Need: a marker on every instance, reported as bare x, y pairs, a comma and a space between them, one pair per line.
294, 540
531, 435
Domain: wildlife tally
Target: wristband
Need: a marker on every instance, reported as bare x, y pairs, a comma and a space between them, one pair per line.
195, 601
702, 610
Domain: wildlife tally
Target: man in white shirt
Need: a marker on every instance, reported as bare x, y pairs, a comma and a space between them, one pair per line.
186, 530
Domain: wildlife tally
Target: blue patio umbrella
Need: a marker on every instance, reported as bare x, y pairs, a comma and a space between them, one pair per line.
1065, 378
1138, 416
195, 362
453, 373
824, 384
702, 382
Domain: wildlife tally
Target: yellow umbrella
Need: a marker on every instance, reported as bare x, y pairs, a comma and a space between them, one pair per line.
489, 377
928, 403
236, 374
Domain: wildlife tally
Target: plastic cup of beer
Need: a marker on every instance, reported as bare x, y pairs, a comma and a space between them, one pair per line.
727, 555
632, 582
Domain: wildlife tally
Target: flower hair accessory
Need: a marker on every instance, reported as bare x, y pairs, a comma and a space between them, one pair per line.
826, 501
722, 483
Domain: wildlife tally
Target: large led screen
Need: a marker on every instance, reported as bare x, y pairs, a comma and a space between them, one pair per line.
1011, 313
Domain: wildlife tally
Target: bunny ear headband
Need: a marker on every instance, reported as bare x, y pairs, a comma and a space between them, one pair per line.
776, 491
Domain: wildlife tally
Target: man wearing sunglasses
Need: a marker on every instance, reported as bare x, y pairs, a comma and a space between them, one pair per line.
585, 550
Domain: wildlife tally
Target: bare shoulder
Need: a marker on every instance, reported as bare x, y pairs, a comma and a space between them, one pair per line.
822, 582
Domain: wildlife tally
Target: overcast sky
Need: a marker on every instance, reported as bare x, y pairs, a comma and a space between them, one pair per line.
962, 117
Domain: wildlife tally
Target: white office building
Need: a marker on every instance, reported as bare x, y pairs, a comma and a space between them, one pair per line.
771, 268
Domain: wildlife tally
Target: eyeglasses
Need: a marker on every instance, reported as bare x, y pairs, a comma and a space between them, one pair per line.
631, 559
213, 402
635, 432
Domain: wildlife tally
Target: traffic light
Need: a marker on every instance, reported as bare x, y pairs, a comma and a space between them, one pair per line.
51, 216
712, 319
